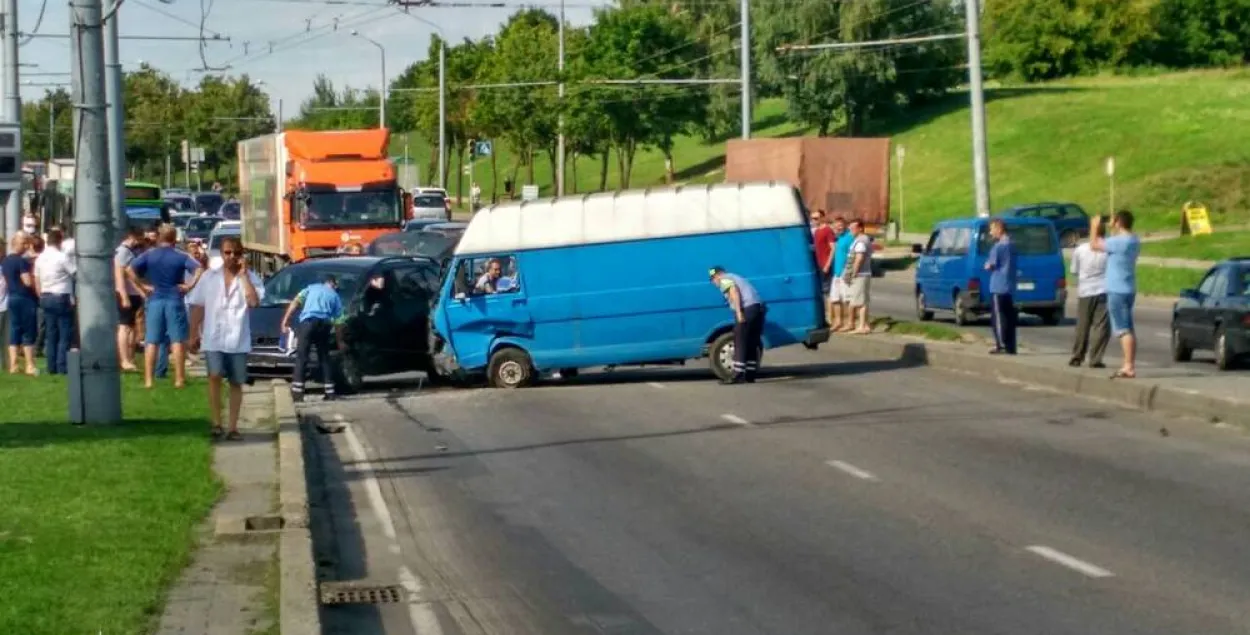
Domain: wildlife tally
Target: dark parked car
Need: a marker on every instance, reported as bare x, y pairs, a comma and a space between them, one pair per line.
452, 229
419, 224
1215, 316
423, 244
181, 203
1070, 220
230, 210
209, 202
199, 228
387, 305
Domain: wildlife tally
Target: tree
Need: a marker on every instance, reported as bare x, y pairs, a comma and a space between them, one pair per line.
154, 107
222, 112
1201, 33
1036, 40
51, 115
329, 109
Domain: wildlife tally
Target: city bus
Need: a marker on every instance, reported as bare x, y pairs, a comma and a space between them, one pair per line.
145, 204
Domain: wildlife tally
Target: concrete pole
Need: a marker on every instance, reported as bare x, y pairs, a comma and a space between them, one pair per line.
12, 108
278, 128
382, 93
51, 132
745, 71
442, 112
980, 156
560, 123
96, 386
116, 129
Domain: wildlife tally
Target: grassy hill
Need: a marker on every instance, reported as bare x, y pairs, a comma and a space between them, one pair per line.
1176, 137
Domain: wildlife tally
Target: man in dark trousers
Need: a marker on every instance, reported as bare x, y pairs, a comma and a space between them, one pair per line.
749, 312
319, 324
1001, 264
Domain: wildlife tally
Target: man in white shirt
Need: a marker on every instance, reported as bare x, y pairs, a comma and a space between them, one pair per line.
54, 283
1090, 268
220, 303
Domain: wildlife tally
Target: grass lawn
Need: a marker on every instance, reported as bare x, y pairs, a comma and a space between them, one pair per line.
925, 330
1166, 281
97, 521
1217, 246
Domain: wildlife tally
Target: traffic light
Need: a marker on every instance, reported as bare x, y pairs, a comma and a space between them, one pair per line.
472, 148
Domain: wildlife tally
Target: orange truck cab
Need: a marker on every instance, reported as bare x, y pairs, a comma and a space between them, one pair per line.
305, 194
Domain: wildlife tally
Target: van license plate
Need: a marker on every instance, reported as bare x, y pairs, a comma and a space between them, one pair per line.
1025, 286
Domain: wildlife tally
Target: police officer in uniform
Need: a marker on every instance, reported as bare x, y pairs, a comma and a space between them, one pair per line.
749, 313
320, 324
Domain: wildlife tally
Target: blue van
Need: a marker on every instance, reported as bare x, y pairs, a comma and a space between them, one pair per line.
614, 279
951, 275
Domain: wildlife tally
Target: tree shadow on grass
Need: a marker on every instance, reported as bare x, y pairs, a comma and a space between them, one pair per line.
28, 434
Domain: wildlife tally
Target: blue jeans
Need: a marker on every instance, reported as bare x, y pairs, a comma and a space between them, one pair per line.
165, 319
1120, 309
58, 314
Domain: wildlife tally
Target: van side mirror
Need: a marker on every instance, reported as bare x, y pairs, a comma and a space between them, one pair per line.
917, 249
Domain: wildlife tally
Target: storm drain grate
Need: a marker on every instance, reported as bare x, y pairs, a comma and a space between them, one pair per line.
340, 593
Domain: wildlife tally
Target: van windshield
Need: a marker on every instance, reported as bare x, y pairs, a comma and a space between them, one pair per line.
1030, 240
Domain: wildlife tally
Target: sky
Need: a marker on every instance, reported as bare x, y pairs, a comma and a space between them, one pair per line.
301, 32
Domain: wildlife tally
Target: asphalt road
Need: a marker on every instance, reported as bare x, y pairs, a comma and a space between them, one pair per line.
893, 296
835, 497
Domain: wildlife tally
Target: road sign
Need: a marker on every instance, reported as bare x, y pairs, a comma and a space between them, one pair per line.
197, 155
483, 148
529, 192
1195, 220
10, 157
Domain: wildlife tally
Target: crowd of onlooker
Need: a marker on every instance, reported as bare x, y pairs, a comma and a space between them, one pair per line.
37, 298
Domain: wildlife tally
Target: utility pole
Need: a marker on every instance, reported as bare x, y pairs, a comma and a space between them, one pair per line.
95, 379
12, 110
51, 132
745, 53
442, 112
279, 126
980, 156
560, 123
116, 129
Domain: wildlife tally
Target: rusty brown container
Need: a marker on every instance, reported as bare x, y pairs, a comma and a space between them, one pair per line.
847, 177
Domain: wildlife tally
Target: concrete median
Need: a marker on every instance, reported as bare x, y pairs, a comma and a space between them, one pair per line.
1174, 395
299, 606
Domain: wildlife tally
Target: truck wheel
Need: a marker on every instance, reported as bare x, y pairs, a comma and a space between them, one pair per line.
510, 368
721, 356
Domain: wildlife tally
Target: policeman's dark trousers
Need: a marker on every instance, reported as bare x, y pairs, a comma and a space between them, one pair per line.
748, 341
1003, 319
1093, 329
319, 334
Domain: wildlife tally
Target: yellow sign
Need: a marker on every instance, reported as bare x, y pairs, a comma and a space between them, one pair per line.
1195, 220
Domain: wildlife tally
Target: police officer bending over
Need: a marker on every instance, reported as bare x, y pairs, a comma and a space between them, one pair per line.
320, 324
749, 313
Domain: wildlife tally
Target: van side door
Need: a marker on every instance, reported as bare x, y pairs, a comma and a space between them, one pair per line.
482, 308
928, 270
955, 262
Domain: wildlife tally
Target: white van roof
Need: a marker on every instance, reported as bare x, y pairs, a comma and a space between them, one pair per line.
609, 217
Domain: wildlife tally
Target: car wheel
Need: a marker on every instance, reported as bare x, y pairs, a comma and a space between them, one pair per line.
351, 381
510, 368
1069, 239
1181, 352
1223, 357
1051, 317
721, 355
962, 318
922, 312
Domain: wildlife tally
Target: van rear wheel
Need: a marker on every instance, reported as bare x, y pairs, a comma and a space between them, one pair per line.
721, 356
510, 368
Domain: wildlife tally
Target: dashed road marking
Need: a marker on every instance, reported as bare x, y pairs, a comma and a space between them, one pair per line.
1071, 562
735, 419
656, 384
852, 470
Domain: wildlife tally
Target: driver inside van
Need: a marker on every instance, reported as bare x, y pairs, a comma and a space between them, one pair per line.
489, 281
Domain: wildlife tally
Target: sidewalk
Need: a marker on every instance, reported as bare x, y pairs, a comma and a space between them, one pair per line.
1219, 399
231, 586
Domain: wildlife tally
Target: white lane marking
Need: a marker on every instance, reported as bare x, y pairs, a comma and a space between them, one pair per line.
1076, 564
656, 384
420, 614
852, 470
735, 419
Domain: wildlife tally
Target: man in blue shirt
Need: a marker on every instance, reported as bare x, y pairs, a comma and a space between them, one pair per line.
1001, 264
838, 293
1122, 250
749, 312
165, 270
320, 318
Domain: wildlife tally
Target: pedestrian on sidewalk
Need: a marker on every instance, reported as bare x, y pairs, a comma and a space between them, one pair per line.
1093, 327
320, 322
1001, 264
822, 244
130, 297
1122, 250
840, 293
220, 325
19, 280
54, 283
749, 313
857, 278
165, 269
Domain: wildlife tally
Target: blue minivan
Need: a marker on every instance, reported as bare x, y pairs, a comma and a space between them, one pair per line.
614, 279
951, 275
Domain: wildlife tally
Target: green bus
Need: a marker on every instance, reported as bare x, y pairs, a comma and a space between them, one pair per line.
145, 204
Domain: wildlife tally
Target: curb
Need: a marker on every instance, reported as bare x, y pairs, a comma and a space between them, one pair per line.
299, 612
1149, 396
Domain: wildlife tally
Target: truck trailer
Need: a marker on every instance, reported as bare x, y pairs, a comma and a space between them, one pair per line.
306, 194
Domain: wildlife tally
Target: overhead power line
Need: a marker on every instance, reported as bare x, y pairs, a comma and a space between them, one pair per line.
174, 38
870, 43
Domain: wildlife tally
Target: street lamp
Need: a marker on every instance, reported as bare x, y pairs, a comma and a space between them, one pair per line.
382, 93
442, 97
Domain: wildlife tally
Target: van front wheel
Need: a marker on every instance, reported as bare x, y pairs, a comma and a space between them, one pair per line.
510, 368
721, 356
